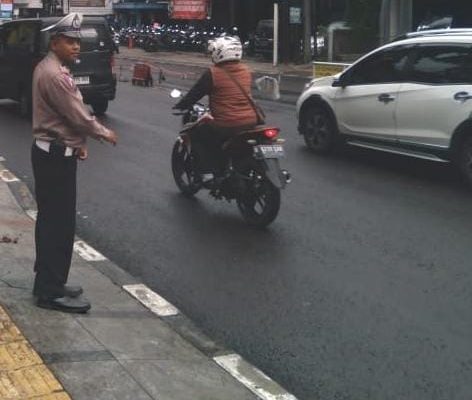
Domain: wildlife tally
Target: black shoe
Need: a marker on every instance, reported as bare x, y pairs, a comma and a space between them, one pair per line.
72, 291
69, 291
64, 304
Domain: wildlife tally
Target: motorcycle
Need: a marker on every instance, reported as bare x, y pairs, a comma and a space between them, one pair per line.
252, 174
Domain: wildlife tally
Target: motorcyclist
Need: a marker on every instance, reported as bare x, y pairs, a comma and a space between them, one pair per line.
231, 109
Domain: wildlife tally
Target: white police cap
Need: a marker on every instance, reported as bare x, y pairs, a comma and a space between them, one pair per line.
68, 26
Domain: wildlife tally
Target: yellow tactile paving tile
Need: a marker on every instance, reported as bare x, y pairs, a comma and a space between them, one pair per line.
17, 355
54, 396
8, 331
23, 375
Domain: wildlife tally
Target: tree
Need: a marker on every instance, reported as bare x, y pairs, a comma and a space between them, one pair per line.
362, 16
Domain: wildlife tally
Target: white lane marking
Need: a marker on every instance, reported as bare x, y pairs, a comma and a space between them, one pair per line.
86, 252
151, 300
7, 176
2, 159
255, 380
33, 214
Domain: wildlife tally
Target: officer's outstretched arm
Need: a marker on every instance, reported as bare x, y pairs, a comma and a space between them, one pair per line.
67, 101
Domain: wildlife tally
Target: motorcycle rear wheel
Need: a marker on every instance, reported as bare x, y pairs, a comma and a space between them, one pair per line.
261, 203
183, 170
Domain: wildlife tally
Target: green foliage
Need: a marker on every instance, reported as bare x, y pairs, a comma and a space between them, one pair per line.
362, 16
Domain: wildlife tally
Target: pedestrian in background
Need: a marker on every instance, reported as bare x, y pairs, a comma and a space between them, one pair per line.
61, 124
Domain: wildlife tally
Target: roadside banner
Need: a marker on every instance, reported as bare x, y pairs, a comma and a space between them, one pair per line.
6, 5
86, 3
189, 9
6, 10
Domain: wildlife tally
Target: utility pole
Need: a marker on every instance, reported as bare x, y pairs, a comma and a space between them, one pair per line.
284, 31
232, 12
307, 31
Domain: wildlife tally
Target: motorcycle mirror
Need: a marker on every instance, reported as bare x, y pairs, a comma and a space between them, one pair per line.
175, 94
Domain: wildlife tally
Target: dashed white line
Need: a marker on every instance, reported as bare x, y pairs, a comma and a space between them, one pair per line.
157, 304
2, 159
255, 380
87, 252
33, 214
7, 176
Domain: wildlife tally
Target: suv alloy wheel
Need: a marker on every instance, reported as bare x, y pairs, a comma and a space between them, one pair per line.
318, 129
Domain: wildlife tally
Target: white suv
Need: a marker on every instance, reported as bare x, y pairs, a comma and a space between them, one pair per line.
411, 97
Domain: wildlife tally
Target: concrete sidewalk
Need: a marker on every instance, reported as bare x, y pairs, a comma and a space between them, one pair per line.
136, 348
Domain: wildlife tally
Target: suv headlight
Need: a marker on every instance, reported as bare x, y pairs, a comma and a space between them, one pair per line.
308, 85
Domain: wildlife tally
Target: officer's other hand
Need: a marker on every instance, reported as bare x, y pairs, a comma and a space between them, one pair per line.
83, 153
112, 138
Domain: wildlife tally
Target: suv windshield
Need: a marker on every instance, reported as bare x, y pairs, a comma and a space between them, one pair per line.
95, 37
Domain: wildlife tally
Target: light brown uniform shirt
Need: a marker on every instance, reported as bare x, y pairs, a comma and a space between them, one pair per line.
58, 108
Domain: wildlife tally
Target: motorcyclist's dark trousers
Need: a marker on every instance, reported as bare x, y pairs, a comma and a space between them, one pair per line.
207, 145
55, 187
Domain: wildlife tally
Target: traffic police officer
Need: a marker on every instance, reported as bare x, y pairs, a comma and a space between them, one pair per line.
61, 124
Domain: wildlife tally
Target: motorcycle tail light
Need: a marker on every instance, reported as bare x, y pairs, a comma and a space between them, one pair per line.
271, 133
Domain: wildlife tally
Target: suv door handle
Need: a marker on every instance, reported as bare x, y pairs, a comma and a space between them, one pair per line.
386, 98
462, 96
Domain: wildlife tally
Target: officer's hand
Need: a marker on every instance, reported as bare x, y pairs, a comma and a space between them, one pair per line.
112, 138
83, 153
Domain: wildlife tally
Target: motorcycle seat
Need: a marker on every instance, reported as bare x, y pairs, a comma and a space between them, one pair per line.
246, 134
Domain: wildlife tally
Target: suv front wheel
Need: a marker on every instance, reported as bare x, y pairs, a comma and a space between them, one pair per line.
464, 158
318, 129
100, 107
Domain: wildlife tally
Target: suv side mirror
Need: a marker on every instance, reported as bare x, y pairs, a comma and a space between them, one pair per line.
340, 81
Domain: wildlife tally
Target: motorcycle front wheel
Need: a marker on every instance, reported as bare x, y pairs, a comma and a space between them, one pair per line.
183, 169
260, 203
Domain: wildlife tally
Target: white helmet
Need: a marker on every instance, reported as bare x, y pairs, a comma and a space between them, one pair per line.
226, 48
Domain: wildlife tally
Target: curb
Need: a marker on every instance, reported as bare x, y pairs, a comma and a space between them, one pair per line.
202, 66
245, 373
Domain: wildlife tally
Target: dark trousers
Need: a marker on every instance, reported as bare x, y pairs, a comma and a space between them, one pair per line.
55, 186
207, 142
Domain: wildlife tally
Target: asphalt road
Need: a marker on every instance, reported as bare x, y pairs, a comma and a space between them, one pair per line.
361, 289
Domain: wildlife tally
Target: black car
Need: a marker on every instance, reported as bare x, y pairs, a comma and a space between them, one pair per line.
264, 38
23, 45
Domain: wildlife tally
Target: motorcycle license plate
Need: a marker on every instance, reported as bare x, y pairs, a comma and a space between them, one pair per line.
270, 151
82, 80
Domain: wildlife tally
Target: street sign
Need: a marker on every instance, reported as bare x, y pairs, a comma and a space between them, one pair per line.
295, 15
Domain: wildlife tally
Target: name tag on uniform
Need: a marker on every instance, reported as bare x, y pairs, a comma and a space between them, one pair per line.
82, 80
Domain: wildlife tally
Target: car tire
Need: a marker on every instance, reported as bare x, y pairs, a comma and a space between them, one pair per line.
464, 158
318, 129
100, 107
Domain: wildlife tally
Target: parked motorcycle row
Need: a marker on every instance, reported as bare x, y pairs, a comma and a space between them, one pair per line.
173, 37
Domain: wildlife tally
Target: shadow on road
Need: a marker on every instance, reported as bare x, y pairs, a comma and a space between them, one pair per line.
379, 165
